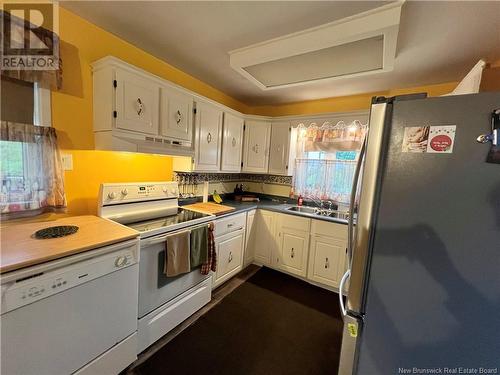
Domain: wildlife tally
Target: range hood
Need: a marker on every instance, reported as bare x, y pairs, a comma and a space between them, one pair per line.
354, 46
119, 140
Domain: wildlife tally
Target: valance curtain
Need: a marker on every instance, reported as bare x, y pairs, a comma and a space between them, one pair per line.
20, 30
326, 160
31, 170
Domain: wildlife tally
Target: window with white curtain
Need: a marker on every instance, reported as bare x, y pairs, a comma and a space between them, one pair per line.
31, 177
326, 157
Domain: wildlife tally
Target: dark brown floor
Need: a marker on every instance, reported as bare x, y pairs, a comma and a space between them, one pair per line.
270, 324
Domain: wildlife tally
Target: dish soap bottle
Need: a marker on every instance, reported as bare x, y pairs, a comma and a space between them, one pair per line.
300, 200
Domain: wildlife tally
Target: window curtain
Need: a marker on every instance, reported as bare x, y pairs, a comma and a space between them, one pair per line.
326, 160
31, 170
20, 30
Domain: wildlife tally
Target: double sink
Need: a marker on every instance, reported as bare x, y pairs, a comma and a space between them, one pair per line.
343, 215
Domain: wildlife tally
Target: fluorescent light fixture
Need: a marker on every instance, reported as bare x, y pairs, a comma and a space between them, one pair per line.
358, 45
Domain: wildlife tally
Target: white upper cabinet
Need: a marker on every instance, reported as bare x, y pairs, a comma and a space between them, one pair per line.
256, 149
208, 137
279, 151
232, 143
137, 102
176, 119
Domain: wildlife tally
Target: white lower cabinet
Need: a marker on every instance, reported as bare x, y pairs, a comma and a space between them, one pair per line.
264, 243
249, 239
229, 256
293, 244
229, 245
327, 255
313, 250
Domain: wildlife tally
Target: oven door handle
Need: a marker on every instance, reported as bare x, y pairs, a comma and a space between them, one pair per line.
154, 240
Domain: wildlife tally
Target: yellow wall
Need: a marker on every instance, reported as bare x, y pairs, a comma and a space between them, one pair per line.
346, 103
94, 167
81, 44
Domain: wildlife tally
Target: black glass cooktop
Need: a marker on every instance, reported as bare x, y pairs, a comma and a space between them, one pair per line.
182, 216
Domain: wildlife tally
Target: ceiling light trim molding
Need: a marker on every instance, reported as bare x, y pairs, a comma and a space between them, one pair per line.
382, 21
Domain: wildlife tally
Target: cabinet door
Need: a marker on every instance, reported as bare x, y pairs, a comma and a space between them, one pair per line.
137, 103
293, 251
264, 244
232, 143
279, 149
176, 115
327, 260
256, 150
208, 133
250, 238
229, 255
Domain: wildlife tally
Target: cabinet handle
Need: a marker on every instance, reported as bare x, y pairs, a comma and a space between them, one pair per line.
230, 225
178, 117
292, 254
233, 142
209, 138
327, 263
256, 148
230, 257
139, 106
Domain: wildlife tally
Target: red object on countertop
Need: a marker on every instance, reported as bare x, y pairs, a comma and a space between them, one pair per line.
300, 200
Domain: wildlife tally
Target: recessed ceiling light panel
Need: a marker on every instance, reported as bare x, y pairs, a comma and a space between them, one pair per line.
357, 45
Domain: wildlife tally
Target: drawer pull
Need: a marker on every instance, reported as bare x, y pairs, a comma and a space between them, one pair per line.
327, 263
292, 254
230, 225
230, 257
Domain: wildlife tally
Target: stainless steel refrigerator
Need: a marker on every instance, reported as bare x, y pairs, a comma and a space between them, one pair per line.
424, 266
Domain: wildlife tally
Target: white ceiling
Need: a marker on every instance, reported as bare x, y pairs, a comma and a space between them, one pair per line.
438, 41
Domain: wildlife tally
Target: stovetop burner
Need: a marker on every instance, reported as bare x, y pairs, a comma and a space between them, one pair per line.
182, 216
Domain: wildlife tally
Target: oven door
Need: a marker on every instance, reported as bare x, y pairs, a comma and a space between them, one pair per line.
155, 288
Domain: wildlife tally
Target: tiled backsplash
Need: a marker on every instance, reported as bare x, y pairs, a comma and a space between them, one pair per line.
199, 178
191, 183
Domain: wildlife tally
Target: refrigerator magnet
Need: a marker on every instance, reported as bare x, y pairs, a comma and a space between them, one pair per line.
415, 139
441, 139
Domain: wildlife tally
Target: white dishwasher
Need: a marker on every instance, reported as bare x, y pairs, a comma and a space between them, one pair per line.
73, 315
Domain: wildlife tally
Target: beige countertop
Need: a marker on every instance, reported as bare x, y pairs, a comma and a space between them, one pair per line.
19, 247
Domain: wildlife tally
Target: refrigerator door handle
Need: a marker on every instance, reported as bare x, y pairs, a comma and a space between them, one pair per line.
350, 223
341, 289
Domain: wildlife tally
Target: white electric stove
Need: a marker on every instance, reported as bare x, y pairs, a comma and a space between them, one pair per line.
153, 210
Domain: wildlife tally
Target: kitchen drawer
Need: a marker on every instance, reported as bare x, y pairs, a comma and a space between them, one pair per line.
229, 224
294, 222
326, 228
162, 320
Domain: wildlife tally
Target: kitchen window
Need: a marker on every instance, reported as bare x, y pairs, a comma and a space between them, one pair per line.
326, 160
30, 168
